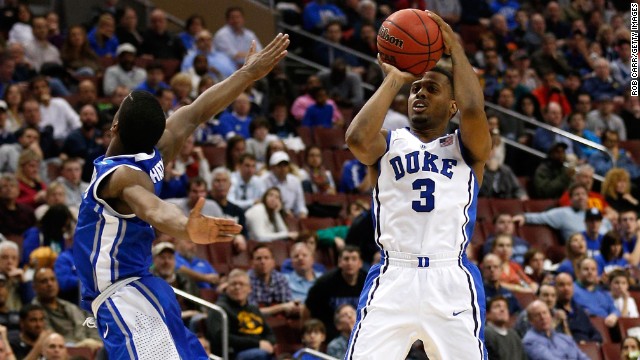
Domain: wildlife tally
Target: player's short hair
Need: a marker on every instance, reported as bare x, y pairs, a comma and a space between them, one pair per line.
141, 122
27, 309
446, 72
313, 325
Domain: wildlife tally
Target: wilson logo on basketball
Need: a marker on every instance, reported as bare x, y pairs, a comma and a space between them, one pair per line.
384, 35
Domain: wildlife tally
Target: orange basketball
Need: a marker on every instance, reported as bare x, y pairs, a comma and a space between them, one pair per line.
411, 41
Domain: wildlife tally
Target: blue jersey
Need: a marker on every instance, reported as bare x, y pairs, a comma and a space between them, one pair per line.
109, 246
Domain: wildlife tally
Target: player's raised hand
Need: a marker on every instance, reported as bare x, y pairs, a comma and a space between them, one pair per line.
448, 36
206, 229
406, 77
259, 64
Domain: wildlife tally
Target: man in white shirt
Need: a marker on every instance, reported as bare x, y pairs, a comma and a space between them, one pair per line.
40, 50
290, 186
124, 73
54, 111
233, 38
246, 188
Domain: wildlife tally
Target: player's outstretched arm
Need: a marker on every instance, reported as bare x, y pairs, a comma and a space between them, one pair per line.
132, 190
364, 136
474, 128
184, 121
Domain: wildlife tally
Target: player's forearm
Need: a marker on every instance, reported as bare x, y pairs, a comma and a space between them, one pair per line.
467, 89
167, 218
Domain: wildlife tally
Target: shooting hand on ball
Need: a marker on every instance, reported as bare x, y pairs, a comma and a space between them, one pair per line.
448, 36
406, 77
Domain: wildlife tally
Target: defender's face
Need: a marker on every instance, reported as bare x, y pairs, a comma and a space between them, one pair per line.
430, 101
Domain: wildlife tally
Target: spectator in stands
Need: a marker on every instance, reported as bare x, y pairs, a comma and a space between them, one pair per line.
311, 240
87, 95
501, 340
338, 286
317, 178
547, 294
543, 342
16, 282
602, 83
304, 101
13, 99
124, 73
21, 31
604, 118
221, 64
513, 277
71, 179
491, 273
629, 347
234, 39
528, 106
181, 86
566, 219
55, 111
54, 347
56, 195
250, 336
260, 138
503, 225
319, 114
9, 318
220, 185
610, 257
313, 336
290, 186
6, 136
15, 217
344, 86
52, 231
344, 321
551, 177
574, 321
238, 120
354, 179
396, 117
303, 276
154, 81
549, 58
84, 140
576, 250
193, 25
198, 71
491, 77
281, 122
246, 188
584, 175
555, 22
583, 106
543, 139
629, 231
7, 69
512, 128
196, 189
551, 91
630, 115
105, 140
327, 53
270, 288
47, 146
619, 287
588, 293
621, 67
535, 266
127, 29
318, 13
158, 43
535, 35
32, 188
62, 316
164, 267
67, 275
40, 51
576, 124
614, 157
528, 77
167, 99
24, 71
196, 268
265, 220
500, 182
102, 38
28, 343
77, 57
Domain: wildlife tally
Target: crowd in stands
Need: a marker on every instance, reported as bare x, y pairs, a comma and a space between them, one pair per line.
558, 251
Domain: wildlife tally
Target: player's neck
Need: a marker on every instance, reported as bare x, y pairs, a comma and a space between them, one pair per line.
428, 135
115, 148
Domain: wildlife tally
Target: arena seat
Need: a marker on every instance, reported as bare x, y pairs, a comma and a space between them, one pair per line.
288, 333
316, 223
80, 352
326, 256
591, 349
241, 260
539, 205
210, 295
280, 250
329, 163
219, 255
524, 299
215, 155
329, 138
509, 206
340, 156
543, 238
484, 213
633, 147
306, 135
629, 327
610, 351
170, 67
598, 323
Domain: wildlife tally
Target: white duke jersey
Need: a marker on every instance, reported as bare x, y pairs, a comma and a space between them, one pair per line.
425, 198
109, 246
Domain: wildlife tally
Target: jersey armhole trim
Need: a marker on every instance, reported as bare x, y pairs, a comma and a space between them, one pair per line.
465, 156
104, 203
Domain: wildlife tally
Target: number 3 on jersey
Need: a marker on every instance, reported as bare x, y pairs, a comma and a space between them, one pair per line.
427, 200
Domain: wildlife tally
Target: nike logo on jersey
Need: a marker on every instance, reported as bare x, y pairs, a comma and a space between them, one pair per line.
104, 336
459, 312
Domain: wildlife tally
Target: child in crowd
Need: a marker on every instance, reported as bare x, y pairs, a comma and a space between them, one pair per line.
313, 336
345, 320
619, 285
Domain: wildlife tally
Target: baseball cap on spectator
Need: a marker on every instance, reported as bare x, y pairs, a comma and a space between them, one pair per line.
3, 106
162, 246
126, 47
557, 145
593, 214
278, 157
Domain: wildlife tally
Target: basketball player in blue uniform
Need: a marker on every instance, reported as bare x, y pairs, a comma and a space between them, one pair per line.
136, 313
424, 205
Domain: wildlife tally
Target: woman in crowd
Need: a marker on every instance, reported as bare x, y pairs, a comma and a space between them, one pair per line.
616, 189
102, 38
317, 178
265, 220
52, 231
32, 188
576, 249
610, 257
630, 348
236, 146
181, 86
13, 98
77, 56
55, 195
513, 277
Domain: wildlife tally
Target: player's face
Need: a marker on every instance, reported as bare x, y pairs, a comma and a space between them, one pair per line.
430, 101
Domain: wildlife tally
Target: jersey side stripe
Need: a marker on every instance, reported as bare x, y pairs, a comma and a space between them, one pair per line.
114, 256
110, 233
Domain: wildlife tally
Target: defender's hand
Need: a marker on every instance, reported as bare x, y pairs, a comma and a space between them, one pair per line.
206, 230
260, 64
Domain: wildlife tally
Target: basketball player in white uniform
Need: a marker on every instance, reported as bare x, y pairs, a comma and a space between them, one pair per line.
424, 205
